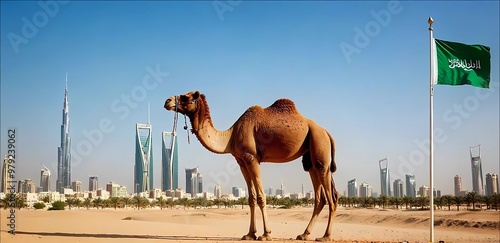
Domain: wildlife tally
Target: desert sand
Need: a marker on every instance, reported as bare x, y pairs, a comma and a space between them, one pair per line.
228, 225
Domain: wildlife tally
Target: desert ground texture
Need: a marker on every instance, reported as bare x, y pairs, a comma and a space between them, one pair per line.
229, 224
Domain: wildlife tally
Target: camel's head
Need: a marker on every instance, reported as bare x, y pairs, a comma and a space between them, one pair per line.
185, 104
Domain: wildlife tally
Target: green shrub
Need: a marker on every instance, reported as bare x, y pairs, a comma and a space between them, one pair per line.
39, 205
58, 205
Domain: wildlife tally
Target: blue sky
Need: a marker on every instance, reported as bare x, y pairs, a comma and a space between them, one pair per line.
375, 102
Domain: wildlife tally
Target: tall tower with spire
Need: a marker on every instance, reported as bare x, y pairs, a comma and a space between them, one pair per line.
64, 151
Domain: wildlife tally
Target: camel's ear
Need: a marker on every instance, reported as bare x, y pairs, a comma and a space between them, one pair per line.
196, 95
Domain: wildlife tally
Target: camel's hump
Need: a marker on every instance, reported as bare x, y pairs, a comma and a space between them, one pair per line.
283, 105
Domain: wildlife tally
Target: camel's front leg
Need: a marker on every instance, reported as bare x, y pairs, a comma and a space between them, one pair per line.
251, 202
254, 170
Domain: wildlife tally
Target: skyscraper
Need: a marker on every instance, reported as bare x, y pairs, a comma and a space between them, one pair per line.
5, 175
385, 178
93, 183
477, 171
491, 184
194, 181
64, 151
143, 169
76, 186
411, 186
217, 191
45, 178
365, 190
398, 188
424, 191
458, 185
169, 162
352, 188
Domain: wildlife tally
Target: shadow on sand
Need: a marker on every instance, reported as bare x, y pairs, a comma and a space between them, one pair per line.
117, 236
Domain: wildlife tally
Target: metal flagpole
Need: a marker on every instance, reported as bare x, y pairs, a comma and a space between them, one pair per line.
431, 137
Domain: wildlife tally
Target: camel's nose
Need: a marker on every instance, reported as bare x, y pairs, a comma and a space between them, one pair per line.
166, 103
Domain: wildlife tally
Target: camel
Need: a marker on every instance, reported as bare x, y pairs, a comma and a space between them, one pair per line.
277, 134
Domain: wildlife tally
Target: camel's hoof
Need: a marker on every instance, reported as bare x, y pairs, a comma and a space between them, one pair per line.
265, 238
302, 237
324, 239
249, 237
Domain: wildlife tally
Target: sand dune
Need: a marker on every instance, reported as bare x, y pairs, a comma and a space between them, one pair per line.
228, 225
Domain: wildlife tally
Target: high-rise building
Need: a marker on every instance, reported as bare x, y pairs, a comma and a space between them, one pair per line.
423, 191
398, 188
93, 183
116, 190
5, 175
76, 186
169, 161
458, 185
217, 191
352, 188
365, 190
45, 179
385, 178
64, 151
491, 184
477, 171
143, 169
237, 191
26, 186
194, 181
436, 193
270, 191
411, 186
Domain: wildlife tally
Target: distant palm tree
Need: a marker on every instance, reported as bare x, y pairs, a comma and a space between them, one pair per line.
423, 201
137, 201
161, 202
487, 200
87, 202
126, 201
448, 200
438, 202
69, 202
115, 201
77, 202
217, 202
184, 202
458, 200
495, 201
98, 202
407, 201
473, 197
20, 202
383, 200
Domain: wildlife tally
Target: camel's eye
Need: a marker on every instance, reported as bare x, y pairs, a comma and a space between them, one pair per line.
184, 98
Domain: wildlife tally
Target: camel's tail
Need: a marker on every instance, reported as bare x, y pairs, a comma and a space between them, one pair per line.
333, 165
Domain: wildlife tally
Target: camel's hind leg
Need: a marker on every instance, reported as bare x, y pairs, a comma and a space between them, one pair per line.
331, 197
319, 203
321, 155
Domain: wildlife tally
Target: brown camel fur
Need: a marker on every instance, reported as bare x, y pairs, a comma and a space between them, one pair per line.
278, 133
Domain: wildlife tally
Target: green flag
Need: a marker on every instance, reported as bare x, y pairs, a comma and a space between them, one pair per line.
459, 64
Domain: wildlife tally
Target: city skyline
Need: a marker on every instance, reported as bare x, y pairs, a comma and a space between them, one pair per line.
373, 101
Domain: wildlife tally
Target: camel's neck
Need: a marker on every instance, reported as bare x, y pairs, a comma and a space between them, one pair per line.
212, 139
